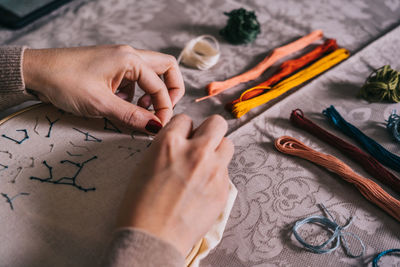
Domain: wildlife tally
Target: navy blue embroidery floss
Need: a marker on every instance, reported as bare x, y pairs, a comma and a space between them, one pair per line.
338, 234
371, 146
18, 141
66, 180
51, 125
88, 135
9, 200
108, 125
3, 167
383, 253
393, 125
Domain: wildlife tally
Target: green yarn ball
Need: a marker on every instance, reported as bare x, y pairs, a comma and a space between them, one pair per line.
242, 28
382, 85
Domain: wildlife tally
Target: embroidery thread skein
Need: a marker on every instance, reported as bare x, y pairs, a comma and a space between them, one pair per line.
217, 87
337, 230
323, 64
369, 189
200, 53
369, 163
242, 27
383, 253
285, 69
393, 125
371, 146
382, 85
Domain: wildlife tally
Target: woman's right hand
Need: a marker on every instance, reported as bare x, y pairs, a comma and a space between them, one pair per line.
185, 182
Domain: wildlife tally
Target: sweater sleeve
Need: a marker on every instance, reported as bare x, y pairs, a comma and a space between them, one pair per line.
12, 87
133, 247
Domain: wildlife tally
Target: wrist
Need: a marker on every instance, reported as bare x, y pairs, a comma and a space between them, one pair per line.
32, 70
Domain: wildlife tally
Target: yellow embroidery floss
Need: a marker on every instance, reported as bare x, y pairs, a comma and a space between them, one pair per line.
201, 53
325, 63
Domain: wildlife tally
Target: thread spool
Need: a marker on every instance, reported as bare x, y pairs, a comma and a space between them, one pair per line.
200, 53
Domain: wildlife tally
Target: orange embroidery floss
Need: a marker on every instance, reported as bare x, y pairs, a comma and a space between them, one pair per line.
287, 68
369, 189
215, 88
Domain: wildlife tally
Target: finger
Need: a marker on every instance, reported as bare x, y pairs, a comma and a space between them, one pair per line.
224, 151
130, 115
180, 125
149, 81
166, 65
126, 91
144, 101
211, 131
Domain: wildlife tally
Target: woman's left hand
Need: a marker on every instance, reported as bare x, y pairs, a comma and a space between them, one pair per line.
99, 81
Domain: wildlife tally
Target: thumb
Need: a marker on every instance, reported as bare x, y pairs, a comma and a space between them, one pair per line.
131, 115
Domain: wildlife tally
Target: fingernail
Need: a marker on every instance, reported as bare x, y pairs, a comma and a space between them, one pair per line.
153, 126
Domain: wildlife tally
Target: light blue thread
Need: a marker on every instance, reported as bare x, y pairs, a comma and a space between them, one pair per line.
337, 236
371, 146
383, 253
393, 125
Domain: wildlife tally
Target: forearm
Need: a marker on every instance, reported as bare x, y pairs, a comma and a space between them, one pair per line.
12, 86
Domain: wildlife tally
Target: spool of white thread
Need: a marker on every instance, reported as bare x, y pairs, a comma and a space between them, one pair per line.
200, 53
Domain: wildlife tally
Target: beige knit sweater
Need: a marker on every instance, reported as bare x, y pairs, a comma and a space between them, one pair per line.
129, 246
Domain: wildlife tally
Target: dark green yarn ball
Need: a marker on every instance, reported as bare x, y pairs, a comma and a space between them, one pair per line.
382, 85
242, 28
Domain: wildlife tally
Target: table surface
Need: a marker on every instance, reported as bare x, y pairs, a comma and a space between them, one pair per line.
274, 190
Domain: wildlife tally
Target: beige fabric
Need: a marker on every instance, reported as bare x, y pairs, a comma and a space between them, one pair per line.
214, 236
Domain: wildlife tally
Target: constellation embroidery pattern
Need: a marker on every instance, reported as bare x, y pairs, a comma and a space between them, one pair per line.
130, 149
84, 147
113, 128
9, 200
3, 167
74, 155
87, 135
18, 141
7, 152
66, 180
51, 125
36, 125
19, 169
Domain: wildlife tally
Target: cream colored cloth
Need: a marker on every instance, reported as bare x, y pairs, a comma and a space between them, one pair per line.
214, 236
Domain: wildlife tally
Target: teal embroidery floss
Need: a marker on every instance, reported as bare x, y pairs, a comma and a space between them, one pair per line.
383, 253
242, 28
393, 125
26, 136
371, 146
338, 236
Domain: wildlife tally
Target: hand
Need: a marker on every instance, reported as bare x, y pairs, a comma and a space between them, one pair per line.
93, 81
185, 182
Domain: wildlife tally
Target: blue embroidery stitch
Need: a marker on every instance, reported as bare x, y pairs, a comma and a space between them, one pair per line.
16, 141
10, 200
66, 180
74, 155
6, 152
113, 128
87, 135
51, 125
3, 167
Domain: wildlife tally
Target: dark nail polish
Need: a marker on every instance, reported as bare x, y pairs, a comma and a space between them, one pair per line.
153, 126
